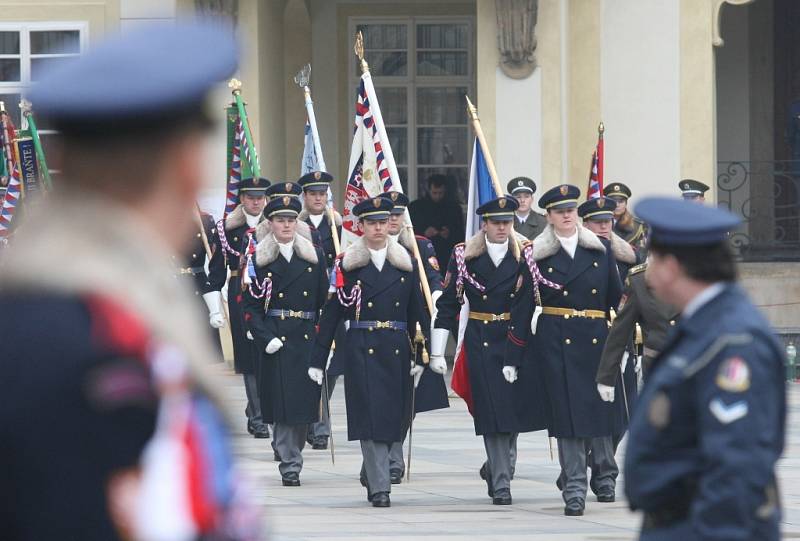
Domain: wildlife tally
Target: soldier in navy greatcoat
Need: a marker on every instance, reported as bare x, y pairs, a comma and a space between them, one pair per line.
230, 242
378, 294
710, 423
281, 307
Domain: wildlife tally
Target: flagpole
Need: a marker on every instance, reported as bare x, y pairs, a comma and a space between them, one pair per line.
236, 87
476, 126
25, 107
358, 48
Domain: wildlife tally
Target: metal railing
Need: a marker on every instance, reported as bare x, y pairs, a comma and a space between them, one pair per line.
766, 194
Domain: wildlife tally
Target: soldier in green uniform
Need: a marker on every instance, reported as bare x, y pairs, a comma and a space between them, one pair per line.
626, 225
527, 222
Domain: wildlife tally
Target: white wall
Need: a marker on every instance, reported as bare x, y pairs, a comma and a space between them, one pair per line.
640, 94
518, 128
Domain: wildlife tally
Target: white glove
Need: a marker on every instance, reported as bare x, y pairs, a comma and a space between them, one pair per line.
316, 375
535, 319
214, 303
637, 364
224, 291
510, 373
249, 335
416, 373
606, 392
438, 365
274, 345
438, 341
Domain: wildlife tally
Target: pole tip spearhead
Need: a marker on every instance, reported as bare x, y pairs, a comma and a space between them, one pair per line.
25, 106
303, 76
235, 85
358, 49
601, 128
471, 109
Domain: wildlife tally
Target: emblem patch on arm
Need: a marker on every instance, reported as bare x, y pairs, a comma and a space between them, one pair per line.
733, 375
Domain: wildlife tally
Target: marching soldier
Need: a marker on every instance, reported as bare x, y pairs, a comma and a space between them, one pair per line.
485, 272
527, 222
693, 190
103, 353
378, 294
316, 214
281, 306
637, 306
230, 243
567, 343
598, 215
626, 225
431, 391
279, 190
709, 427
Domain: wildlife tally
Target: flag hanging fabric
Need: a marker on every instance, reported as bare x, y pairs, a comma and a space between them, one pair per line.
237, 169
481, 190
372, 169
310, 162
10, 202
595, 188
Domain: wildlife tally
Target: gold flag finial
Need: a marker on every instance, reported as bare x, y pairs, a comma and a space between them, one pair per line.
235, 85
358, 49
303, 76
471, 109
601, 128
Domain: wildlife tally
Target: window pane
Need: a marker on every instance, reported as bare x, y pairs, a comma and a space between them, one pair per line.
437, 146
384, 36
394, 105
392, 64
444, 63
398, 138
40, 66
55, 42
11, 102
403, 172
9, 42
9, 70
442, 105
442, 36
456, 185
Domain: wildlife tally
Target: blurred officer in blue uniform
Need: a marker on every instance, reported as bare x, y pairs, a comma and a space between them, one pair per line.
566, 345
281, 307
230, 242
100, 343
709, 426
527, 222
693, 190
378, 294
317, 215
485, 272
431, 390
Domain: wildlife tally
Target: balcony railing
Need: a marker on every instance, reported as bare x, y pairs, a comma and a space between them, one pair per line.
766, 194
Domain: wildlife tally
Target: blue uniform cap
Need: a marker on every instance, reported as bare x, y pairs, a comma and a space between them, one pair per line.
286, 205
254, 186
399, 201
152, 74
564, 196
279, 189
500, 209
315, 181
374, 208
677, 222
599, 208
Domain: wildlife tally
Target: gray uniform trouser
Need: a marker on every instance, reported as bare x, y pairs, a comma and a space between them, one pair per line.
572, 456
500, 448
375, 465
288, 441
253, 409
322, 428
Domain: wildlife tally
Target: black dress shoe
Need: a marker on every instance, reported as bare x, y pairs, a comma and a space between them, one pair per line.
574, 508
261, 432
320, 443
484, 473
250, 429
381, 499
291, 479
366, 485
502, 497
606, 496
396, 476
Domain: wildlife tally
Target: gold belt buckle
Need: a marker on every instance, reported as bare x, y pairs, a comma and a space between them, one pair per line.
383, 324
186, 271
497, 317
579, 313
293, 313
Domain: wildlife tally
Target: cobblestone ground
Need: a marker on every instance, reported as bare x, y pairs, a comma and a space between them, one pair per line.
445, 499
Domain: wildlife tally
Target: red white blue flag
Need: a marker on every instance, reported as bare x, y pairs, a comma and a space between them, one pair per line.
235, 175
372, 169
595, 188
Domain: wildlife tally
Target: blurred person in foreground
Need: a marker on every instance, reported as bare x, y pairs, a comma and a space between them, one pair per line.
110, 429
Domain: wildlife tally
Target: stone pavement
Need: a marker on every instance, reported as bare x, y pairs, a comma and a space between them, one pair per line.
445, 500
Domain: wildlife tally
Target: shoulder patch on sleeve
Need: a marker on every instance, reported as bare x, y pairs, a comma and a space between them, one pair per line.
733, 375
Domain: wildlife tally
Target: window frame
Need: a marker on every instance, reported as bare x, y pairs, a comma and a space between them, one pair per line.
411, 82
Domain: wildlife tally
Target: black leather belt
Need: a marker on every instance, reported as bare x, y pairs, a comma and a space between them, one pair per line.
283, 314
372, 325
